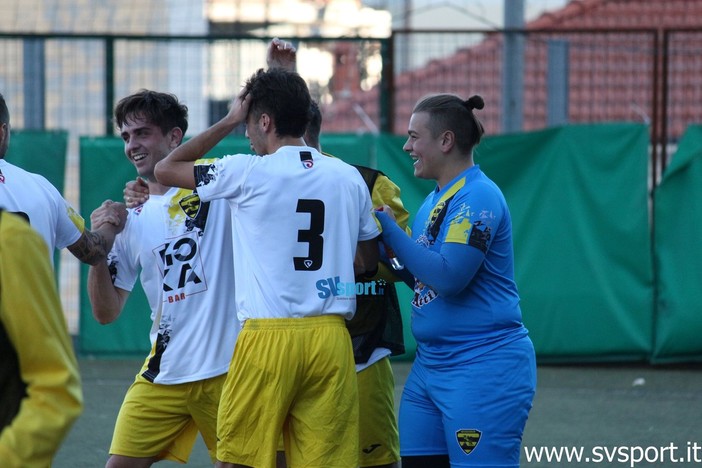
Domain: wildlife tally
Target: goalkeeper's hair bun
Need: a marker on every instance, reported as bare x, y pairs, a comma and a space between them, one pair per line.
474, 102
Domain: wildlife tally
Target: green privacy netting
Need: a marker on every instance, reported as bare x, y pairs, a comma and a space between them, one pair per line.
678, 253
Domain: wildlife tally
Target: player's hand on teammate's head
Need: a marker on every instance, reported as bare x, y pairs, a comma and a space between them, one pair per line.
239, 109
281, 54
136, 192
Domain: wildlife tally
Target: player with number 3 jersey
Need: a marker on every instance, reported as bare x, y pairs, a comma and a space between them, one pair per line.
298, 220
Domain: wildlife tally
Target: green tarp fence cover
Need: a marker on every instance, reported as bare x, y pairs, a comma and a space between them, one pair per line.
678, 254
578, 199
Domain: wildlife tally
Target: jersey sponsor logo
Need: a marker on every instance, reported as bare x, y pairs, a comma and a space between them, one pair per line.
162, 339
204, 174
480, 239
2, 178
183, 272
112, 265
468, 439
176, 297
423, 294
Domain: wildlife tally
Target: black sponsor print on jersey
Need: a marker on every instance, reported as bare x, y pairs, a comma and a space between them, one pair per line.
437, 218
112, 264
480, 239
468, 439
423, 294
204, 174
182, 268
154, 366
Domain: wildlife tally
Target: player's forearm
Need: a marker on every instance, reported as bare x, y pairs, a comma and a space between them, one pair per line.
107, 221
176, 169
201, 144
105, 299
447, 271
93, 246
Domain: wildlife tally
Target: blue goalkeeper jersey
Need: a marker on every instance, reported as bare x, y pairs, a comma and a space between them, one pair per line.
471, 319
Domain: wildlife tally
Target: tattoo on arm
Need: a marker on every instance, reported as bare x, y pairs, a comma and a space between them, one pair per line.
91, 248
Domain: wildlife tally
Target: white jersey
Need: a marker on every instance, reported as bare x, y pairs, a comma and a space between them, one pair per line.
48, 212
183, 248
297, 218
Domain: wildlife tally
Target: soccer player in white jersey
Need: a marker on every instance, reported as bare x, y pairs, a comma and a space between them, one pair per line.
181, 248
34, 198
298, 220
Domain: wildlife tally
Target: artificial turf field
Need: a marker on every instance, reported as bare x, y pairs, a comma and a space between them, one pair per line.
611, 411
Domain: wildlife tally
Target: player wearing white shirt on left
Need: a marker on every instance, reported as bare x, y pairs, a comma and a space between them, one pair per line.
180, 246
34, 198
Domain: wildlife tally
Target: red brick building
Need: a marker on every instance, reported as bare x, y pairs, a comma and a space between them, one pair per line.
627, 60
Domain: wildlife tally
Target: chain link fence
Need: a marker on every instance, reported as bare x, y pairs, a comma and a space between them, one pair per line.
530, 80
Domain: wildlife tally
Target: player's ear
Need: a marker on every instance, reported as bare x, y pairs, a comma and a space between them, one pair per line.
265, 122
447, 140
176, 137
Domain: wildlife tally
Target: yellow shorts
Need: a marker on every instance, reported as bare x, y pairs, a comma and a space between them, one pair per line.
379, 437
296, 376
163, 420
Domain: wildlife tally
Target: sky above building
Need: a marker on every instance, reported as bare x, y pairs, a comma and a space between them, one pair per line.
459, 14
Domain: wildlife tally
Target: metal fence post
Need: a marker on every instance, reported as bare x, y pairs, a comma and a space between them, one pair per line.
34, 68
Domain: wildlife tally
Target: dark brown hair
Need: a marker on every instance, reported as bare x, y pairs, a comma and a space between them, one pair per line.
450, 112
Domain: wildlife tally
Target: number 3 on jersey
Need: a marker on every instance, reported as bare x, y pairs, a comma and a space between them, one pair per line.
312, 236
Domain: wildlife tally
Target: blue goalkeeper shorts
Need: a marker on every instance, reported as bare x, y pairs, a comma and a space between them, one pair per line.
475, 412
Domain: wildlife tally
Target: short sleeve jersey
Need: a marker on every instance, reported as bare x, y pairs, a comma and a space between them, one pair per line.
297, 217
469, 210
182, 250
47, 211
